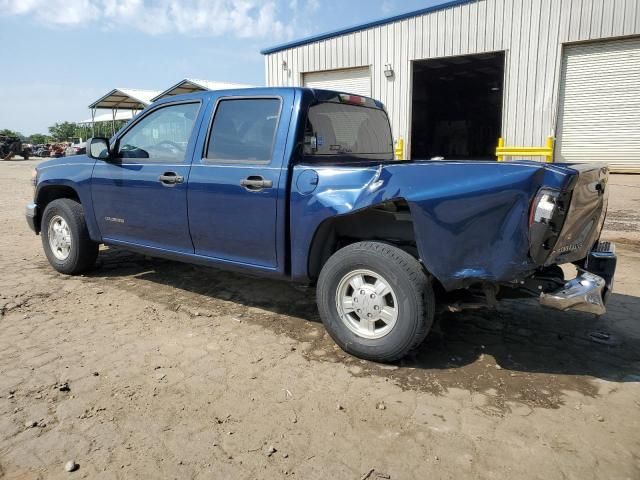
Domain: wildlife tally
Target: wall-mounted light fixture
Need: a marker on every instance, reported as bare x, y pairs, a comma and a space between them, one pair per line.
388, 71
284, 65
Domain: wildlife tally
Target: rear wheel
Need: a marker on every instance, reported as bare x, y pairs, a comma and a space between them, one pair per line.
65, 237
375, 301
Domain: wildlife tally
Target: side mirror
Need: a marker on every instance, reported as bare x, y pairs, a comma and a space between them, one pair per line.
98, 147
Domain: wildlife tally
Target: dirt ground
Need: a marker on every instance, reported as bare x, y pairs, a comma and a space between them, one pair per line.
154, 369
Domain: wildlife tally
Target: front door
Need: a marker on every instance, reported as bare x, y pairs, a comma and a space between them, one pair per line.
140, 196
235, 189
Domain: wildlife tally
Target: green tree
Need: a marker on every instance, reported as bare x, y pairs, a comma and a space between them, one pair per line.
63, 131
11, 133
102, 129
38, 138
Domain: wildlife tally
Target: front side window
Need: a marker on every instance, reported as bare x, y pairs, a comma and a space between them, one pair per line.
336, 130
162, 136
244, 130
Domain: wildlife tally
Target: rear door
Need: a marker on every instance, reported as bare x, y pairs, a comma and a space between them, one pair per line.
140, 197
599, 104
237, 189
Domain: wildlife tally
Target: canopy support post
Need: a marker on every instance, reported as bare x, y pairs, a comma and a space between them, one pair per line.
113, 120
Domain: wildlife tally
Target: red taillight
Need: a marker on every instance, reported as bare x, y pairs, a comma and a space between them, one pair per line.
352, 99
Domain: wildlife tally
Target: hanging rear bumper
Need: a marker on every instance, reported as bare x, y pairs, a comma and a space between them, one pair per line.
584, 293
589, 291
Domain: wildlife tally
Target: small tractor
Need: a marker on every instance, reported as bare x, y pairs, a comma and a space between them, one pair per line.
10, 146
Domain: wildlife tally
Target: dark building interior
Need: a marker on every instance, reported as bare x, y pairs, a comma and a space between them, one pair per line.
457, 107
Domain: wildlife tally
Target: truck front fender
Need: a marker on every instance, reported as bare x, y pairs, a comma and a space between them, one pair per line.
68, 180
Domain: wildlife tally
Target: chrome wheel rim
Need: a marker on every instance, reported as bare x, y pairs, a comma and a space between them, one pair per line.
367, 304
59, 238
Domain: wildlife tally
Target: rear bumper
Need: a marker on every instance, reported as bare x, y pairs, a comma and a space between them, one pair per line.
590, 290
584, 293
31, 213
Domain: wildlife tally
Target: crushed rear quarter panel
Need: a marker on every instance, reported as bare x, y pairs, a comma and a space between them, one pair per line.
470, 218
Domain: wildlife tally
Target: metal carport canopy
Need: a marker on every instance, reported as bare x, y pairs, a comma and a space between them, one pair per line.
125, 99
121, 99
190, 85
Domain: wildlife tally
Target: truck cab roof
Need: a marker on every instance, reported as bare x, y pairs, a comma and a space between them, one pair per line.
312, 94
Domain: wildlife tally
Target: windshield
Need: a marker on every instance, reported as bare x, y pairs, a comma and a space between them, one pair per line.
347, 131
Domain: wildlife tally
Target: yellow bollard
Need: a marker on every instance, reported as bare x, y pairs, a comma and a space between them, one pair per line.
500, 145
549, 145
546, 151
399, 150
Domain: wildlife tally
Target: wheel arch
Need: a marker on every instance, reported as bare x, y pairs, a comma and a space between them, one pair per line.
388, 222
47, 194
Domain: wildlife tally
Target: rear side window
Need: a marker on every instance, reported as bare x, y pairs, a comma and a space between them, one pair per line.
348, 131
243, 131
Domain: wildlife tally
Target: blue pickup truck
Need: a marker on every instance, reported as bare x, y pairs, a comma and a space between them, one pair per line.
302, 184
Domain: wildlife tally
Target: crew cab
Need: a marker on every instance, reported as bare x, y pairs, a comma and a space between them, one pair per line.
302, 184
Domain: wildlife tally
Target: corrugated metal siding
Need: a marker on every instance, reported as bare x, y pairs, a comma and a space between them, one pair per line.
350, 80
599, 117
530, 31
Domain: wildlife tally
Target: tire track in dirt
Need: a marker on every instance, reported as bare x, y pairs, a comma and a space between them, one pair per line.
521, 353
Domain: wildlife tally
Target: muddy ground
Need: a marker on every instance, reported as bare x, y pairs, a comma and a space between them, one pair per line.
154, 369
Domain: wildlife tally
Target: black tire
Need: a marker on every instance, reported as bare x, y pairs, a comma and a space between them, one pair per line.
83, 252
412, 287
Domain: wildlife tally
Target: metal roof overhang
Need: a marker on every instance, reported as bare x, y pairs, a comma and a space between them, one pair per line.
120, 99
124, 99
183, 86
190, 85
364, 26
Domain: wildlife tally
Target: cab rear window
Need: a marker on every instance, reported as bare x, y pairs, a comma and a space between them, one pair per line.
345, 131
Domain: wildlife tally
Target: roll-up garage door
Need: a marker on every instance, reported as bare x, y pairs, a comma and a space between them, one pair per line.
349, 80
599, 104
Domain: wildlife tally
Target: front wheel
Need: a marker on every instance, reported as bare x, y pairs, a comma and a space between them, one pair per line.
375, 301
65, 237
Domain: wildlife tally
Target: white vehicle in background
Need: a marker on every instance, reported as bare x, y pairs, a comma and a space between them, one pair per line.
79, 148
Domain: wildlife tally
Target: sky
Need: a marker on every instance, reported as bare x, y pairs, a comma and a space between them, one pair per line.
58, 56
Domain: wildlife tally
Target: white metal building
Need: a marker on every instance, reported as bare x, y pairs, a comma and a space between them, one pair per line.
456, 76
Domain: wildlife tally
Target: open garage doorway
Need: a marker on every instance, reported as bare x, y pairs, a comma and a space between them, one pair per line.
457, 107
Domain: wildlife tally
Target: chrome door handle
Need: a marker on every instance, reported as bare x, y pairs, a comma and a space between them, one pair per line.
170, 178
255, 183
